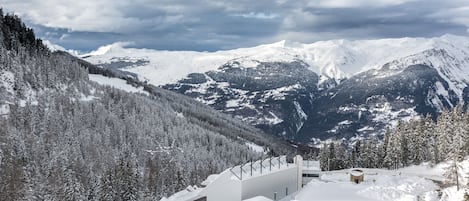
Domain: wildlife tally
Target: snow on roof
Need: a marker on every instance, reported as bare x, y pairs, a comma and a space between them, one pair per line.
356, 172
210, 179
187, 194
258, 198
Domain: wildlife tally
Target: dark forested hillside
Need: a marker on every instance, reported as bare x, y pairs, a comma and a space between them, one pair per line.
63, 137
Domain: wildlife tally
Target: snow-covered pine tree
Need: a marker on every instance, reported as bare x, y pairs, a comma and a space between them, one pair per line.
428, 138
356, 156
387, 136
418, 144
341, 156
331, 157
380, 155
127, 180
374, 148
445, 134
72, 189
369, 154
393, 156
405, 151
459, 133
106, 191
324, 157
12, 179
465, 133
180, 181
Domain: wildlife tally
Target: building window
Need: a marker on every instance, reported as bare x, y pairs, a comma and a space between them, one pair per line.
201, 199
310, 175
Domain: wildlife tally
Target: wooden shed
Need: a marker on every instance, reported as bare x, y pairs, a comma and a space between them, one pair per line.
356, 176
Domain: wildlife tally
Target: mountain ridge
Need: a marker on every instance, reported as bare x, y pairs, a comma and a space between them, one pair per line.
312, 92
337, 59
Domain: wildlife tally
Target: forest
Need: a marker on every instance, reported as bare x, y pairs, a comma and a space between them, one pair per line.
63, 137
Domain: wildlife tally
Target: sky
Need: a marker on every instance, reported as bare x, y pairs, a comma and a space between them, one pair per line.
210, 25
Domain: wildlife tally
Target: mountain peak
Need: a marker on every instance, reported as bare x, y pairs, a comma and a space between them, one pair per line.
283, 43
107, 49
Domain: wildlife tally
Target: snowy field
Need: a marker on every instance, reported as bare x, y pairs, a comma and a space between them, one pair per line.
408, 184
116, 83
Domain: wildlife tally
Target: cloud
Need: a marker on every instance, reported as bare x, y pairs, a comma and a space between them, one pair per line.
223, 24
257, 15
356, 3
380, 20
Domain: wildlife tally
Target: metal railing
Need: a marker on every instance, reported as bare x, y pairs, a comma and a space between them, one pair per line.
259, 167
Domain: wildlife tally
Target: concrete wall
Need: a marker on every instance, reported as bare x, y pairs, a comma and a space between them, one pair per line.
224, 188
274, 184
276, 181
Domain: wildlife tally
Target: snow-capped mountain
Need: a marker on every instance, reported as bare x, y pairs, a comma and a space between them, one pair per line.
336, 59
336, 88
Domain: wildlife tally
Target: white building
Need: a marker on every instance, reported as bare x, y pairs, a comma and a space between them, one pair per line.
311, 170
269, 179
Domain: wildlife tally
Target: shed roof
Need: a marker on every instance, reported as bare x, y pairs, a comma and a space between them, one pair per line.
356, 172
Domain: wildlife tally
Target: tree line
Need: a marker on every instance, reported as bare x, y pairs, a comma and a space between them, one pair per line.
410, 143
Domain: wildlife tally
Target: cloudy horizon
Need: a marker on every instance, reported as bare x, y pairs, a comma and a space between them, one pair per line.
217, 25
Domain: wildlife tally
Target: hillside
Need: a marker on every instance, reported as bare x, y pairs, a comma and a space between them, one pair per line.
66, 137
311, 92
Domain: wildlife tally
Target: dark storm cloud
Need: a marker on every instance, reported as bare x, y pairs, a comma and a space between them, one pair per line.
411, 19
212, 25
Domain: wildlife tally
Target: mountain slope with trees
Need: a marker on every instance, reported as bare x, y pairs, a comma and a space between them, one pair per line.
410, 143
310, 93
63, 137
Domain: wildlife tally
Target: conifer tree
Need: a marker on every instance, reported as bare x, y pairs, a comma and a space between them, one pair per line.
387, 135
356, 154
444, 130
11, 177
324, 157
418, 144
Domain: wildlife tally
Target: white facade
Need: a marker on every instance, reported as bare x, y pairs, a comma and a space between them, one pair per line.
272, 178
274, 185
311, 170
225, 187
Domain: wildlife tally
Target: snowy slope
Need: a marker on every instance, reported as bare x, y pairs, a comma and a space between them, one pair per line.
331, 59
6, 89
116, 83
410, 183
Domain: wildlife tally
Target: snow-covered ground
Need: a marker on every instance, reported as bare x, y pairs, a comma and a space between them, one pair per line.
255, 147
406, 184
116, 83
414, 183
